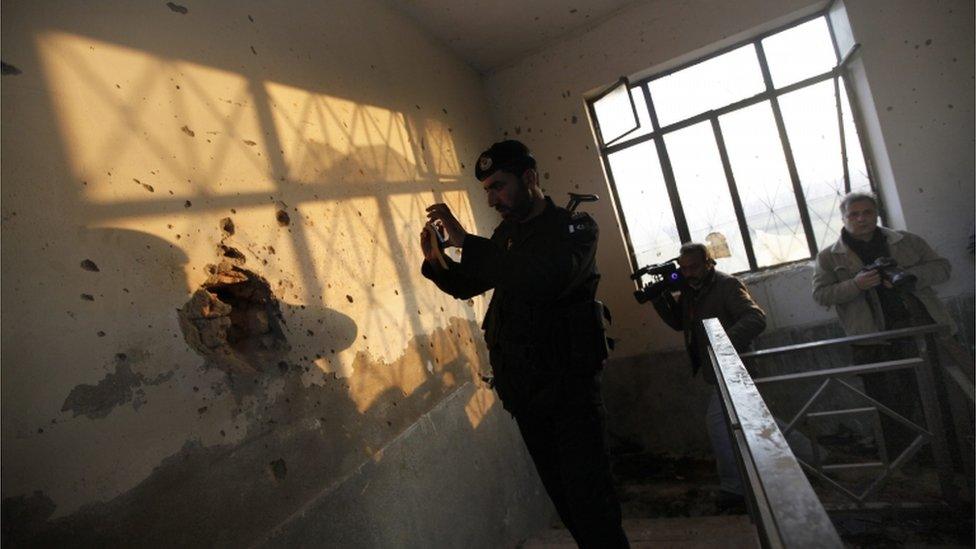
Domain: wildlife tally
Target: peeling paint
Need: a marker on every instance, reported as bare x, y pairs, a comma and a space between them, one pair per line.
325, 430
115, 389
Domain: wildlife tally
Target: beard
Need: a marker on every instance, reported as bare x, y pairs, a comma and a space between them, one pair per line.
521, 204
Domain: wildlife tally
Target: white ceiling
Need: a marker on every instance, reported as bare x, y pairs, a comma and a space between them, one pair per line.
490, 34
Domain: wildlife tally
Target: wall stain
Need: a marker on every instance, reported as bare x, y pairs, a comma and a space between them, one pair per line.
6, 69
317, 431
177, 8
115, 389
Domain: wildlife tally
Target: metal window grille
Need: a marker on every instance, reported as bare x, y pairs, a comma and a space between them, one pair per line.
655, 140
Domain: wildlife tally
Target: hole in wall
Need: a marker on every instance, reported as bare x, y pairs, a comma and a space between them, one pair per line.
234, 320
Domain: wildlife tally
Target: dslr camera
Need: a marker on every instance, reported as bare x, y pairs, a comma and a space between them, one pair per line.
664, 277
893, 274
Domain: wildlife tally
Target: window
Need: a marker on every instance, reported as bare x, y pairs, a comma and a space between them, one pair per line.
749, 150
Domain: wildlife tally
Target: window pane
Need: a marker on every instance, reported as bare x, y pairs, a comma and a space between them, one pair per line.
704, 192
708, 85
614, 113
765, 189
855, 155
645, 203
801, 52
810, 115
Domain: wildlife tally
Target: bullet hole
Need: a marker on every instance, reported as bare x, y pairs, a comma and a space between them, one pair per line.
950, 105
88, 297
232, 254
282, 217
100, 334
445, 110
271, 250
187, 204
146, 186
227, 226
89, 265
202, 410
349, 298
249, 143
251, 19
234, 321
545, 175
188, 131
177, 8
889, 108
574, 10
278, 469
7, 69
574, 119
518, 130
928, 42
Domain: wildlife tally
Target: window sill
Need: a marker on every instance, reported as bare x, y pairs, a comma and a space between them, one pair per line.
762, 275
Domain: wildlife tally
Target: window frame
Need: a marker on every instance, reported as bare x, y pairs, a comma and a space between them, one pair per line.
772, 94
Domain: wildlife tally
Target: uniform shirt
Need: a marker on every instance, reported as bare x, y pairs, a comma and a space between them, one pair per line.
542, 271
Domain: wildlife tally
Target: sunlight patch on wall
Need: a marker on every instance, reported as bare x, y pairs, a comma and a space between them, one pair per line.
143, 128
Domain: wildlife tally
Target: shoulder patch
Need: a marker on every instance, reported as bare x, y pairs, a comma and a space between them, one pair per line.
581, 222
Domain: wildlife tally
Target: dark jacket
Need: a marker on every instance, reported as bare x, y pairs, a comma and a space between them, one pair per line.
542, 315
723, 297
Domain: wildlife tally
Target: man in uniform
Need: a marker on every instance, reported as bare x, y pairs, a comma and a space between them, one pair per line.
713, 294
544, 332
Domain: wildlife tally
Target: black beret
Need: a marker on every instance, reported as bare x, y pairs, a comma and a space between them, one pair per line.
510, 155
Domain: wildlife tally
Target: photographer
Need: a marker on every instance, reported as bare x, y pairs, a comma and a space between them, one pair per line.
707, 293
894, 291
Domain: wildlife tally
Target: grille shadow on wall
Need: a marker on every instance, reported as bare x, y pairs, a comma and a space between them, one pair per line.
165, 151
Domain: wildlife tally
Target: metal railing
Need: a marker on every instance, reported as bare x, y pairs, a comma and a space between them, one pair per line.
931, 433
782, 503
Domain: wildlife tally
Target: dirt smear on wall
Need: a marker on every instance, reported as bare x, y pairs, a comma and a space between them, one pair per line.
300, 439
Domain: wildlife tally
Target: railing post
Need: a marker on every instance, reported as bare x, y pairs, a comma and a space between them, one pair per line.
933, 416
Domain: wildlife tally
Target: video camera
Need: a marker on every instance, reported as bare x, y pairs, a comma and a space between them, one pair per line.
893, 274
665, 277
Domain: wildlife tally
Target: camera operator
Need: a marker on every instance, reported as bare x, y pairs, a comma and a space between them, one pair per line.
879, 279
707, 293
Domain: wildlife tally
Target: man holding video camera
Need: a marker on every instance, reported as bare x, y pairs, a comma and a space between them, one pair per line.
879, 279
544, 331
708, 293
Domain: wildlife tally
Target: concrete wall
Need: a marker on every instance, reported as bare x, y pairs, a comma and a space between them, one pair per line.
926, 176
134, 136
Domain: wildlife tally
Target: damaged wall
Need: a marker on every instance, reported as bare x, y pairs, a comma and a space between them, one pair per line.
918, 58
214, 319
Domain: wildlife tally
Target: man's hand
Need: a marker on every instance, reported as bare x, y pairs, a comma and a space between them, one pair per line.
428, 244
865, 280
441, 214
